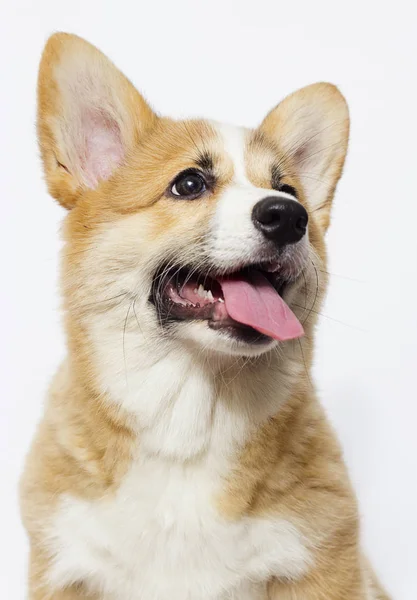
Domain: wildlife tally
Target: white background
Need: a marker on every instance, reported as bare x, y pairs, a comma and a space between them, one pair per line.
233, 61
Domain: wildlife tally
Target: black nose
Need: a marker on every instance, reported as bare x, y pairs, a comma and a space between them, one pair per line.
281, 220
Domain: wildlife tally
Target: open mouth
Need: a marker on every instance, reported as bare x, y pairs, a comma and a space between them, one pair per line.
246, 304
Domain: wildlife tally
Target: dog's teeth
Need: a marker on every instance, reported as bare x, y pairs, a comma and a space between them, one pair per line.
205, 294
221, 300
201, 291
197, 305
195, 291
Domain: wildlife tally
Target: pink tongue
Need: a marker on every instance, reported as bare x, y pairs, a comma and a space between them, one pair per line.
256, 303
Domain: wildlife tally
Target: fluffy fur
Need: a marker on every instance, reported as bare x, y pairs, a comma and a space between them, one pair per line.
176, 463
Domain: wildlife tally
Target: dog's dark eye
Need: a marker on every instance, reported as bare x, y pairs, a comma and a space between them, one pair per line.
288, 189
189, 184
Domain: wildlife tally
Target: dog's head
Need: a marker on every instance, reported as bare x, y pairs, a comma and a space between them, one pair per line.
191, 232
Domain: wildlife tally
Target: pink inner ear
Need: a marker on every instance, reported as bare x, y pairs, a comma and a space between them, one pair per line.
103, 147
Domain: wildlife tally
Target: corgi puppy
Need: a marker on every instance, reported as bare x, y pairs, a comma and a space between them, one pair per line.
183, 454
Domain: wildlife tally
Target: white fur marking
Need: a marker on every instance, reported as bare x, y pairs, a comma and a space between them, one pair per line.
235, 240
234, 141
159, 538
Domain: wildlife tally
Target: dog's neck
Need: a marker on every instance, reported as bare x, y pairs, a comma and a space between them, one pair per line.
186, 404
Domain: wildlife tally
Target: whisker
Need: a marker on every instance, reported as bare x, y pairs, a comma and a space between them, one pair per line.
136, 317
305, 365
311, 310
124, 347
306, 290
104, 301
342, 276
315, 295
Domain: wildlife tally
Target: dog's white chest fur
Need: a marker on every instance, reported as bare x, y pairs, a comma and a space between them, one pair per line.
160, 535
160, 538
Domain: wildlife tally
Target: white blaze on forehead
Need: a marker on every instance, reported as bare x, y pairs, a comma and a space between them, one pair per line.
234, 141
234, 240
233, 237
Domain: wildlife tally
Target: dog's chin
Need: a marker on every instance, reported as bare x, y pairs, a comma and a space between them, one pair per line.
228, 340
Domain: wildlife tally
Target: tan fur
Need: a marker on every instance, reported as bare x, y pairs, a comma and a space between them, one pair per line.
292, 466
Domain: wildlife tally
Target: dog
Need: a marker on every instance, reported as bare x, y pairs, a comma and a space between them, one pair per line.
183, 453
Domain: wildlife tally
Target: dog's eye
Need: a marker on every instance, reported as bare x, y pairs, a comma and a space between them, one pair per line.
288, 189
189, 184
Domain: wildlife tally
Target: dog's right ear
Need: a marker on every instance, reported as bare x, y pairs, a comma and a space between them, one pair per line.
89, 117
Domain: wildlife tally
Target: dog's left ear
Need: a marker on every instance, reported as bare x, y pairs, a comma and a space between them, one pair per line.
311, 128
